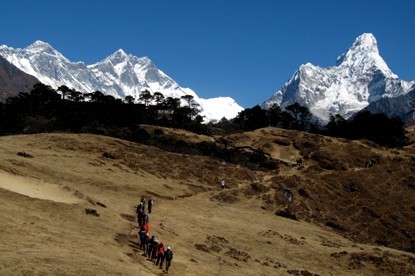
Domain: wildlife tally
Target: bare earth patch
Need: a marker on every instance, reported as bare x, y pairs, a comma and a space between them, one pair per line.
36, 188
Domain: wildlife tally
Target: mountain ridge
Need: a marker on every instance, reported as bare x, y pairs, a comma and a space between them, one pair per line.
119, 75
402, 106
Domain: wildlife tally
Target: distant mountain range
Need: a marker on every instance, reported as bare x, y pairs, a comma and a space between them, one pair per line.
13, 80
359, 78
118, 75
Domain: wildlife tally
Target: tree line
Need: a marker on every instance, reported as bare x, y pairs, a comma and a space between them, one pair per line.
45, 109
378, 128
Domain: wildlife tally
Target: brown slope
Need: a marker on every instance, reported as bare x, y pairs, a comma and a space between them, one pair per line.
56, 177
13, 80
334, 187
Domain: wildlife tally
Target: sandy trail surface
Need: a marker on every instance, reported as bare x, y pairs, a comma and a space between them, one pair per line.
36, 188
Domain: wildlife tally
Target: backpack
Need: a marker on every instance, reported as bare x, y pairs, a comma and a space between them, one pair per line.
138, 209
143, 234
168, 254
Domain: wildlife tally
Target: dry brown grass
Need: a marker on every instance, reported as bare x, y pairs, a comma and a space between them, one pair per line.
69, 209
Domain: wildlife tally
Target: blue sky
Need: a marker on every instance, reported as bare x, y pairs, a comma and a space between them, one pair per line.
245, 49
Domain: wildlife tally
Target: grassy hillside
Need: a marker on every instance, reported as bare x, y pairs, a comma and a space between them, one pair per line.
342, 219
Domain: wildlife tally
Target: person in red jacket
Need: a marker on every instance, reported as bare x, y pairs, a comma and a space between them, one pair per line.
146, 227
160, 254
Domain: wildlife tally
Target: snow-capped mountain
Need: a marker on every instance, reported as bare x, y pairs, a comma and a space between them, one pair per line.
118, 75
360, 77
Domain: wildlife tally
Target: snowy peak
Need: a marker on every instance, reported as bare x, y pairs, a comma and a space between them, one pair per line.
121, 52
363, 56
39, 45
118, 56
121, 59
362, 46
227, 105
42, 48
360, 77
365, 43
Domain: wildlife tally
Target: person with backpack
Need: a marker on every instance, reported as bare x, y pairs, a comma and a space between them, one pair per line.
139, 211
151, 247
143, 202
168, 255
146, 244
146, 227
144, 218
160, 255
150, 205
142, 236
154, 252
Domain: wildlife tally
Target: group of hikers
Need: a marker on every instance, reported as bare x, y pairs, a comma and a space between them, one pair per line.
153, 249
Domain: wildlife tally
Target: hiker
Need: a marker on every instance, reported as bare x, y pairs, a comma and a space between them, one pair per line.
168, 255
160, 254
139, 211
299, 162
142, 236
143, 202
146, 244
144, 218
149, 205
222, 184
154, 252
369, 164
151, 246
146, 227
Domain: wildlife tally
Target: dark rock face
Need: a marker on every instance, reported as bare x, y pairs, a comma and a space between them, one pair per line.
13, 80
401, 106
